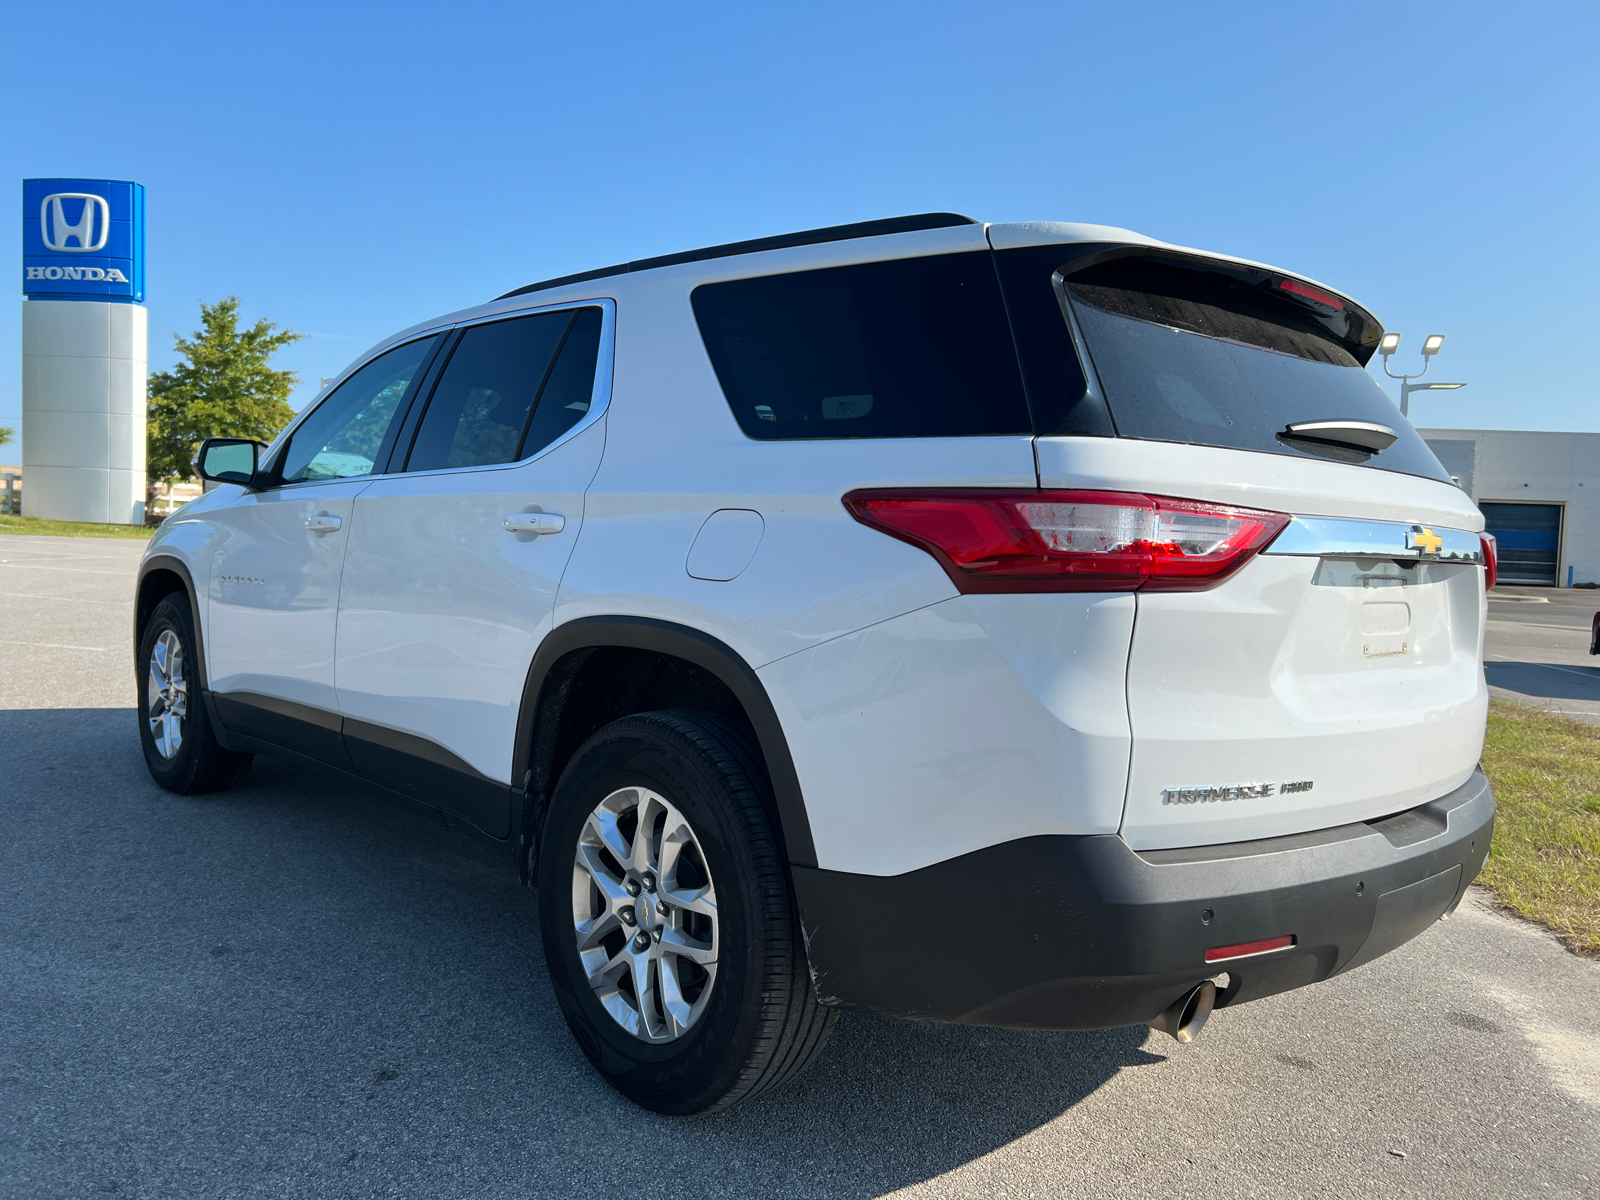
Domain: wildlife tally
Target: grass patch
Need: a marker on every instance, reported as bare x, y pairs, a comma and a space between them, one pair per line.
1545, 861
9, 524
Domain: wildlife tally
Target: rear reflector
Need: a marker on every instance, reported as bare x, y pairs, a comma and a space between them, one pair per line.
1491, 560
1246, 949
1039, 541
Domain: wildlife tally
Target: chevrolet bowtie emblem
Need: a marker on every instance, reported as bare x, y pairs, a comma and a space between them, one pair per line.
1425, 540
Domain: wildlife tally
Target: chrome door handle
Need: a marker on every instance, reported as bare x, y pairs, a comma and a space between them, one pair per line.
323, 523
539, 522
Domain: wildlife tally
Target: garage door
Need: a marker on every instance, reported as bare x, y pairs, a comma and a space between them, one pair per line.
1530, 540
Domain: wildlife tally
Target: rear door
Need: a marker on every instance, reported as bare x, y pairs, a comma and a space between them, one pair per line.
1337, 676
455, 557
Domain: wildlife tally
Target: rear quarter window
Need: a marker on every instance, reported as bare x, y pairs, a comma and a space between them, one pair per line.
911, 348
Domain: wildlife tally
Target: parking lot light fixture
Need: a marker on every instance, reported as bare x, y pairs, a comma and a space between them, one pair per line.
1389, 344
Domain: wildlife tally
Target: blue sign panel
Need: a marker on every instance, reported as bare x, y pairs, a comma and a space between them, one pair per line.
82, 239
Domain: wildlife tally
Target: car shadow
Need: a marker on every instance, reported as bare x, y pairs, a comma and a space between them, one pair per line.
1544, 680
299, 982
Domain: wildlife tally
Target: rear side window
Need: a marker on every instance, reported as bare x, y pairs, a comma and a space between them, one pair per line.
509, 389
570, 388
917, 347
1215, 354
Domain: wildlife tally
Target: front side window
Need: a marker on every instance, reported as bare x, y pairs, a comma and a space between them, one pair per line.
342, 437
509, 390
916, 347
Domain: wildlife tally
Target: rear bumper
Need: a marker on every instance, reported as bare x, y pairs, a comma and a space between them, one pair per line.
1085, 933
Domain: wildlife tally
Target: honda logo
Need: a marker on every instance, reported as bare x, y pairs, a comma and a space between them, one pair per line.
56, 232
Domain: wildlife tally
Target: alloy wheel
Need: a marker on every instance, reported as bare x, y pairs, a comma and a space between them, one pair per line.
645, 914
168, 694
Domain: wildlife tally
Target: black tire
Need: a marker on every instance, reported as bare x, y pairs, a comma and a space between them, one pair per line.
199, 763
761, 1024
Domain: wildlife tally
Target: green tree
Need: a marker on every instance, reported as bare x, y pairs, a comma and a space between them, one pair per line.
222, 386
6, 434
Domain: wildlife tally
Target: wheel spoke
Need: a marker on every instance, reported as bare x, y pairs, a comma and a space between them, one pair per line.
593, 931
589, 860
679, 1011
699, 900
602, 829
644, 990
675, 837
676, 942
605, 970
644, 857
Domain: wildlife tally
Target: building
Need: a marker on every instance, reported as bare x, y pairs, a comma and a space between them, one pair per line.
84, 350
1540, 496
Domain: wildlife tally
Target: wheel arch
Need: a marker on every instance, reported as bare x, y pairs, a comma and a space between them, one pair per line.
160, 576
576, 656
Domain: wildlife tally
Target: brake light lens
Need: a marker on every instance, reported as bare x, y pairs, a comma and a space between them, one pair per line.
1491, 560
1315, 295
1044, 541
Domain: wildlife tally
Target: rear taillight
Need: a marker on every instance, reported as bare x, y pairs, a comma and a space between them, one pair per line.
1491, 560
1039, 541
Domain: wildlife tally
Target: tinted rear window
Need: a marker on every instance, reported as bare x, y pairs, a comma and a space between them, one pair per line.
1189, 350
912, 348
1179, 348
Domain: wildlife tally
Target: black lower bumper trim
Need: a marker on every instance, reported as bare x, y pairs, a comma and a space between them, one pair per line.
1085, 933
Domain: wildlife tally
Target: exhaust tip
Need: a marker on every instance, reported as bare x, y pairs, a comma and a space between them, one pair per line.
1187, 1015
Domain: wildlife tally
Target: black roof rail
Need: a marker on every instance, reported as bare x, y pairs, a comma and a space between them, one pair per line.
808, 237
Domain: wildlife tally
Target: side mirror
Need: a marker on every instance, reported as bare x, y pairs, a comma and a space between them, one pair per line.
228, 460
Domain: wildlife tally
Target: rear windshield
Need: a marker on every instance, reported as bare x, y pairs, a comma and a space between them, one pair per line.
1191, 350
915, 347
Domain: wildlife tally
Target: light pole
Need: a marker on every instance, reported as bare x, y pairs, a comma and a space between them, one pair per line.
1430, 347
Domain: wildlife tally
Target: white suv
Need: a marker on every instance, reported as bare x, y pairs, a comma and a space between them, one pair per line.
1029, 625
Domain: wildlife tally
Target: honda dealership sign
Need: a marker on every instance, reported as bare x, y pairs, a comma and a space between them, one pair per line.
84, 338
82, 239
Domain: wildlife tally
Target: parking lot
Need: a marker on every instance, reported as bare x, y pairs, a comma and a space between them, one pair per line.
297, 988
1538, 649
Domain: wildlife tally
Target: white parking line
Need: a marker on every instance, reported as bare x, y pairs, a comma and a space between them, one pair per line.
73, 570
52, 646
1537, 624
75, 599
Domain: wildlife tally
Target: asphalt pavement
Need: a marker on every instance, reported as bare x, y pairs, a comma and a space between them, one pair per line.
297, 988
1537, 649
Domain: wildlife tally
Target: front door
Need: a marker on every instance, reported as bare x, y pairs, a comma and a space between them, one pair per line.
273, 596
454, 561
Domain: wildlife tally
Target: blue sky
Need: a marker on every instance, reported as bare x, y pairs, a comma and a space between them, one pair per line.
348, 170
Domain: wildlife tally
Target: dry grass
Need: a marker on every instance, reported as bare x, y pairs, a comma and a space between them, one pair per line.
9, 524
1545, 861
